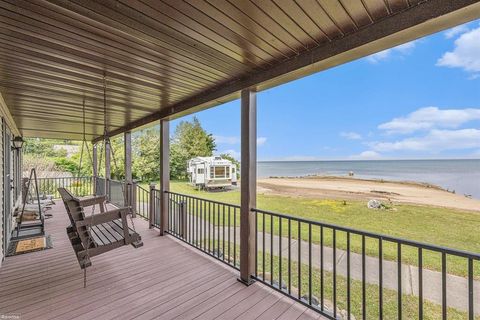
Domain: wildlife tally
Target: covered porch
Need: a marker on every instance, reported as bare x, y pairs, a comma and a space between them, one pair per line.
97, 70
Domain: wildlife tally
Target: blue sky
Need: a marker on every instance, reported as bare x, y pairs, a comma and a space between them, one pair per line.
418, 100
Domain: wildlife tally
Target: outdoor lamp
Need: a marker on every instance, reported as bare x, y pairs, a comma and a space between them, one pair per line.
18, 142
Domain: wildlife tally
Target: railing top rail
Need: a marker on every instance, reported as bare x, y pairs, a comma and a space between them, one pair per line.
202, 199
53, 178
141, 188
432, 247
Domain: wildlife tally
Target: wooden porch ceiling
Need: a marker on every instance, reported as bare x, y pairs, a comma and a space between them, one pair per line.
167, 58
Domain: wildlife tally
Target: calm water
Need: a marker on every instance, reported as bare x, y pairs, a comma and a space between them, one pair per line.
463, 176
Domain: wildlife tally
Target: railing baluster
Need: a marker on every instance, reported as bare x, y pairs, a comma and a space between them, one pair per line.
256, 242
289, 256
204, 225
263, 251
229, 240
322, 289
218, 229
348, 277
471, 313
310, 264
280, 280
299, 261
444, 286
334, 261
420, 284
213, 227
399, 280
364, 284
271, 249
235, 236
223, 236
380, 278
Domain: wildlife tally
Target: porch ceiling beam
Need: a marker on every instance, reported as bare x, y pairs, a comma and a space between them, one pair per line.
425, 18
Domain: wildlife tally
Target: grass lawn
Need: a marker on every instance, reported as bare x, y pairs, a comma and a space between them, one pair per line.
440, 226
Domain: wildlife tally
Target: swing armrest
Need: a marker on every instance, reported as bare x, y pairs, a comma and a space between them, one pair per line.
90, 201
104, 217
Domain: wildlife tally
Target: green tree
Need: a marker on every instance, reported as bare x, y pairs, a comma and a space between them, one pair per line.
189, 140
146, 159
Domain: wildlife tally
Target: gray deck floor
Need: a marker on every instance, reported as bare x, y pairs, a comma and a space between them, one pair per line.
164, 279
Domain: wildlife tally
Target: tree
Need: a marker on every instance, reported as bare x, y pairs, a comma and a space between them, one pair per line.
190, 140
146, 160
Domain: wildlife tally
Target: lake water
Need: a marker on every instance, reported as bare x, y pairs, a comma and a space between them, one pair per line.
463, 176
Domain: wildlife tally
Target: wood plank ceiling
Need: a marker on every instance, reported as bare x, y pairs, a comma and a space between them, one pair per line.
155, 54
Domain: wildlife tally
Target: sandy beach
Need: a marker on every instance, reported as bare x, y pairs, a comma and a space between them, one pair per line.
361, 189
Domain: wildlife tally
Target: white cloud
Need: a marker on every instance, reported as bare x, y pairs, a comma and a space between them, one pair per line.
401, 50
450, 33
367, 155
430, 118
261, 141
226, 139
435, 141
466, 54
351, 135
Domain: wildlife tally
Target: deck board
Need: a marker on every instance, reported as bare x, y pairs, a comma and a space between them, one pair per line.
164, 279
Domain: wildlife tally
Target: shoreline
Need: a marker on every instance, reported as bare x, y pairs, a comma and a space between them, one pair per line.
361, 189
378, 180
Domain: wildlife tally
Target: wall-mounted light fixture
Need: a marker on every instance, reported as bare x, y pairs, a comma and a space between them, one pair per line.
17, 143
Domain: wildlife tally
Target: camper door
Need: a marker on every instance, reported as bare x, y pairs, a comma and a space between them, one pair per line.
200, 174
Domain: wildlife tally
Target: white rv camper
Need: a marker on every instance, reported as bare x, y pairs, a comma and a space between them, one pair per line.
211, 172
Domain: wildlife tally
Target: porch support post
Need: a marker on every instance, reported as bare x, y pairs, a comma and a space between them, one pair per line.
127, 140
164, 174
108, 172
248, 184
95, 167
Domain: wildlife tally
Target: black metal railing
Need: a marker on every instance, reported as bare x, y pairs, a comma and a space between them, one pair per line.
208, 225
154, 208
81, 186
142, 203
326, 267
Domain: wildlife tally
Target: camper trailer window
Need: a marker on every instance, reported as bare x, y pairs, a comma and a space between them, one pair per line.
220, 172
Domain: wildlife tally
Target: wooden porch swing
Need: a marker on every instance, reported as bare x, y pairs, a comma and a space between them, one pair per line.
98, 233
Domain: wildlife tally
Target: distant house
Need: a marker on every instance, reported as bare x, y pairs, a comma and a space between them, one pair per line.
211, 172
71, 149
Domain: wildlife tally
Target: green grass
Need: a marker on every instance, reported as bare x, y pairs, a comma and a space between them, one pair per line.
439, 226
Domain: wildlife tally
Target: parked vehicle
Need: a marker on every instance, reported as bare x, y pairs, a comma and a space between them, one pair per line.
211, 172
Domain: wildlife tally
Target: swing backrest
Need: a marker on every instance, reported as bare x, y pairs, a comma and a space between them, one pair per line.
66, 196
76, 213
